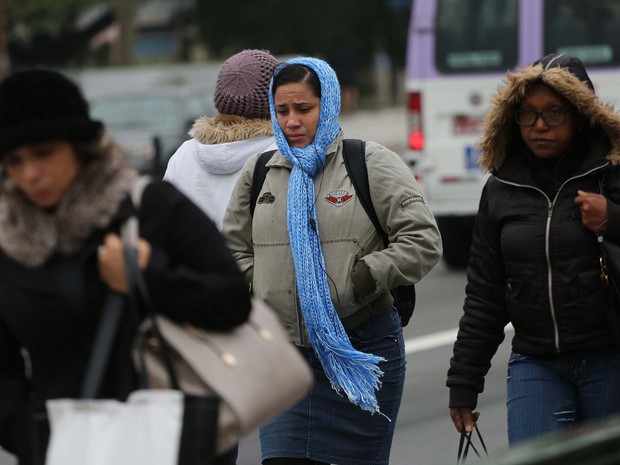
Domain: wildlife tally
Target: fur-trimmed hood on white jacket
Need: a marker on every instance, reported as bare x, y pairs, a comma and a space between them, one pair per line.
206, 167
500, 130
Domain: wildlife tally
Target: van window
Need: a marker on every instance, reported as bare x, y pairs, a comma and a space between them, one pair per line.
476, 35
588, 30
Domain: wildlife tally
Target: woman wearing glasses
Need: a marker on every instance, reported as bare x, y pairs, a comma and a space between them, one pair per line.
552, 148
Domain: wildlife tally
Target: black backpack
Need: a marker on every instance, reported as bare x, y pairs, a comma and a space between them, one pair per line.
354, 153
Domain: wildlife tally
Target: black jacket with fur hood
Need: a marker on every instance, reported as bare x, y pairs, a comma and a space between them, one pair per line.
532, 262
51, 294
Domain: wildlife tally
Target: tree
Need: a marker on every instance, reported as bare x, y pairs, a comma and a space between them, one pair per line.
5, 63
49, 17
46, 31
285, 27
43, 31
126, 11
344, 32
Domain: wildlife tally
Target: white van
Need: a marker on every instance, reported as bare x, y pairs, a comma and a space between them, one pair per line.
458, 53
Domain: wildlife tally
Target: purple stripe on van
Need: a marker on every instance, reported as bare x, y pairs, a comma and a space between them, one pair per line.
530, 32
421, 42
420, 62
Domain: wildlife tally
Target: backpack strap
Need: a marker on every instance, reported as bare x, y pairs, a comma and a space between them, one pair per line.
354, 154
258, 177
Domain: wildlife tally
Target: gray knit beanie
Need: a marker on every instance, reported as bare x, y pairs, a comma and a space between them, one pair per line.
243, 84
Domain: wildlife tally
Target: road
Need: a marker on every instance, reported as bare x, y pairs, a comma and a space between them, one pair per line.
388, 126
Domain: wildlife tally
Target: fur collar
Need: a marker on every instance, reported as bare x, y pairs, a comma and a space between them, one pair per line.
229, 128
499, 125
31, 235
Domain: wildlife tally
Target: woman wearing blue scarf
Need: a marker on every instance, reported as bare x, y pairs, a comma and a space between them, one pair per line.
311, 252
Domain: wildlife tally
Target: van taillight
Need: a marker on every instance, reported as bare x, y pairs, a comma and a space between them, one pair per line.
416, 135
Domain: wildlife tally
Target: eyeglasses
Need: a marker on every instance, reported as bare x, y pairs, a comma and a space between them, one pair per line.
553, 117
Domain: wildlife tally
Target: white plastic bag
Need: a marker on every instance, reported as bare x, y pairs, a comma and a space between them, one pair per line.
145, 430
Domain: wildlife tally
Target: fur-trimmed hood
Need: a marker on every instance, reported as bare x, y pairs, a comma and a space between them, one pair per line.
500, 127
229, 128
31, 235
220, 145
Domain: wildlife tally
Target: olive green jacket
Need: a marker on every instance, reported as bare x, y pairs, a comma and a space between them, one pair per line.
360, 270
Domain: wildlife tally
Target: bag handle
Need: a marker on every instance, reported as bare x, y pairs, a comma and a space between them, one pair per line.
114, 305
465, 443
102, 346
138, 290
111, 313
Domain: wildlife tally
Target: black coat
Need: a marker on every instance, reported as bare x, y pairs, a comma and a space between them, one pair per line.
52, 310
532, 262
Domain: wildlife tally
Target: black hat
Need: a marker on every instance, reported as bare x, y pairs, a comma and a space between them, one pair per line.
572, 64
38, 105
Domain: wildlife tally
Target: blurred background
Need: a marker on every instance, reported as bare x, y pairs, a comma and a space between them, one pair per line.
149, 67
415, 75
356, 37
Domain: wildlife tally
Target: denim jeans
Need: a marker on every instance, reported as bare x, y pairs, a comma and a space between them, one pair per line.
546, 395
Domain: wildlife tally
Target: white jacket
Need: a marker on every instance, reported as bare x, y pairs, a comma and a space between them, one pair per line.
206, 167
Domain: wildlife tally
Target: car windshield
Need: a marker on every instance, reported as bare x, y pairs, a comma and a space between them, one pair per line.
137, 111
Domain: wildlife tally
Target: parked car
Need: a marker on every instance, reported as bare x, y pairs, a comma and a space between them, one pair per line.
151, 125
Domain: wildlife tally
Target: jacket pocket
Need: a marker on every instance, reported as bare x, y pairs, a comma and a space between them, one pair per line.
364, 284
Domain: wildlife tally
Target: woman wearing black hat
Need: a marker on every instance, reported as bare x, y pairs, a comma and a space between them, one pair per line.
552, 149
65, 193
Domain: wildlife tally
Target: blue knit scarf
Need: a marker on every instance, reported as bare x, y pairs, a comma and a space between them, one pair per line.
350, 371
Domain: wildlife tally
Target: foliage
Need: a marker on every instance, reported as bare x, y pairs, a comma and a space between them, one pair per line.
347, 33
319, 27
44, 31
42, 17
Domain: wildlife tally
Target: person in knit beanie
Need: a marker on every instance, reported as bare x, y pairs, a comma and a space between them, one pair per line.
207, 166
65, 192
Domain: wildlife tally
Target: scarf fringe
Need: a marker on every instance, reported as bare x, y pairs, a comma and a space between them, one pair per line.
350, 371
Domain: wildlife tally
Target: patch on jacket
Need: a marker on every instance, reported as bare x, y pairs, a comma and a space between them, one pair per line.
409, 200
267, 197
338, 197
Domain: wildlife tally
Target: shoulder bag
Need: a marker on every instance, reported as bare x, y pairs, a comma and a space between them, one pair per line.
610, 275
254, 370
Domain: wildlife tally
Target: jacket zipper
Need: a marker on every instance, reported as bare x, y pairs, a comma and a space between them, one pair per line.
556, 332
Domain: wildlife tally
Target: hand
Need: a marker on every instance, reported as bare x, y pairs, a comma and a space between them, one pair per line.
464, 417
593, 208
112, 262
